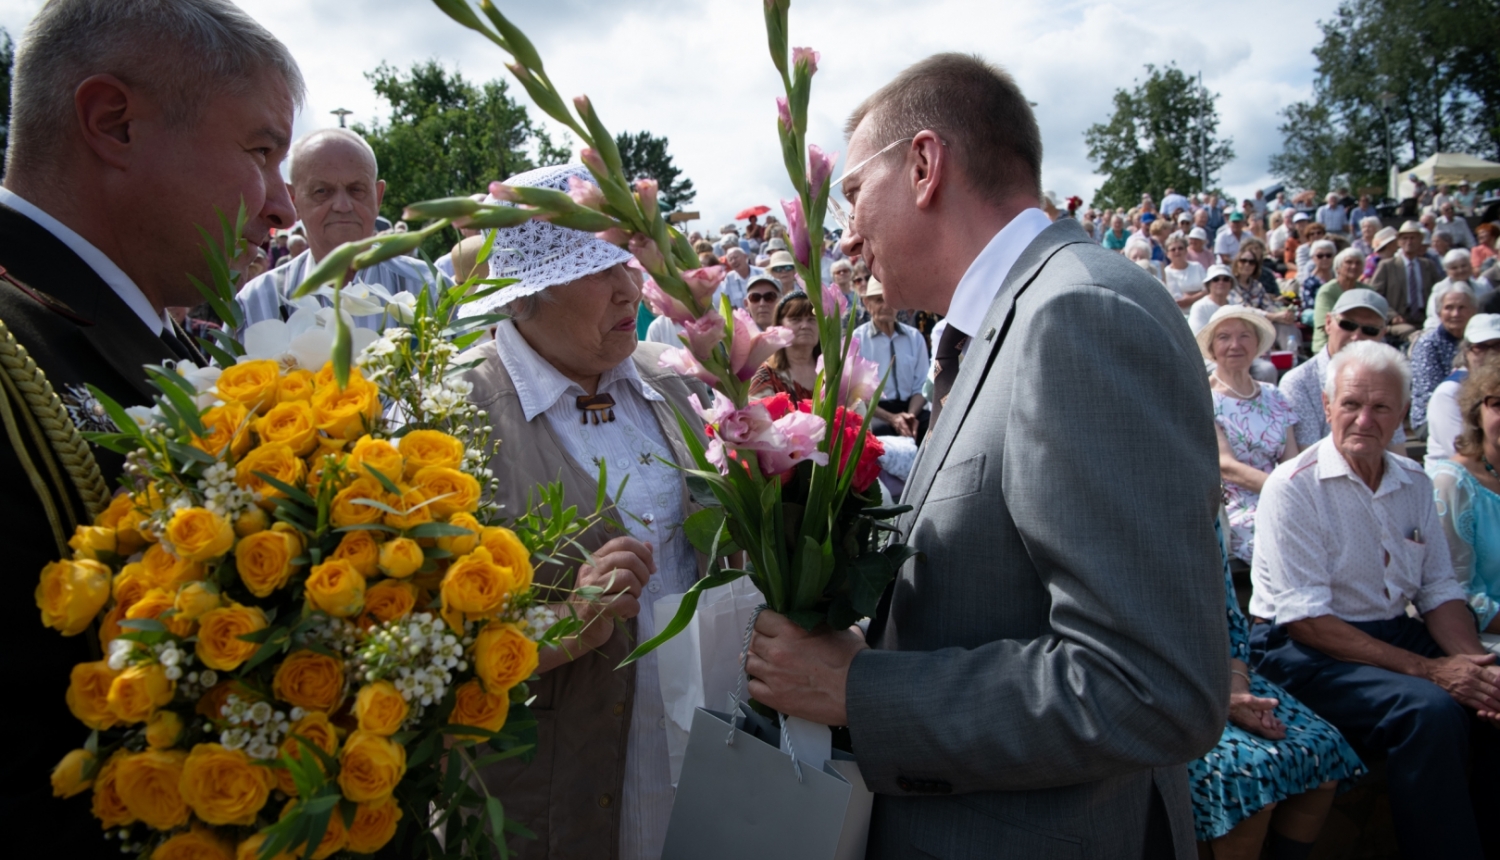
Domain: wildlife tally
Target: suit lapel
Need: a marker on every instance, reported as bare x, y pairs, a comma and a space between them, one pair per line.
984, 345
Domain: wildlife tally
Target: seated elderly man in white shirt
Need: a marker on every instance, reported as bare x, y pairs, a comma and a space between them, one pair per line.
903, 358
1347, 538
335, 189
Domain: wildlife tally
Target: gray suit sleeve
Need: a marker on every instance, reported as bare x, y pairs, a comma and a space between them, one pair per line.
1109, 474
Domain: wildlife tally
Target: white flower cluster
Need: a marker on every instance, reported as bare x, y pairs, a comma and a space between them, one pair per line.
256, 727
446, 398
221, 494
196, 684
171, 655
336, 634
126, 846
381, 357
419, 654
539, 619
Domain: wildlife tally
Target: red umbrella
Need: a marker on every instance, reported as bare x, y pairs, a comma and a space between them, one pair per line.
753, 210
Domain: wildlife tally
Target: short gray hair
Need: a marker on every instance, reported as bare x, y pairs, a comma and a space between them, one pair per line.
180, 52
1457, 255
306, 141
1347, 254
1369, 221
524, 308
1371, 355
1323, 245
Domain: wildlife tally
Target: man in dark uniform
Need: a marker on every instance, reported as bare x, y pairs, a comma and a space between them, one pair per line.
132, 122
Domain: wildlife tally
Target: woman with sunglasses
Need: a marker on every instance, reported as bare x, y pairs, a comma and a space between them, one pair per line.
1183, 277
1321, 254
1445, 420
1254, 287
1348, 265
793, 369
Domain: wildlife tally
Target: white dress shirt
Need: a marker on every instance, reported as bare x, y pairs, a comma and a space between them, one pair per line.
904, 346
735, 286
977, 288
651, 508
103, 266
264, 297
664, 330
1326, 545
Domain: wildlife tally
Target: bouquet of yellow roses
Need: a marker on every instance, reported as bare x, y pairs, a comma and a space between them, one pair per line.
310, 628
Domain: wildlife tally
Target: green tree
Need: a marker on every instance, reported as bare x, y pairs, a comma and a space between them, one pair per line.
645, 157
447, 137
1436, 65
7, 60
1163, 134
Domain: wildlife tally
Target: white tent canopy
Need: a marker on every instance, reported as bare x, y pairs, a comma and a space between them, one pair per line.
1445, 168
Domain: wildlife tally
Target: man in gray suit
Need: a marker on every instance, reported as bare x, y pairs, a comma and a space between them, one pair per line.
1036, 679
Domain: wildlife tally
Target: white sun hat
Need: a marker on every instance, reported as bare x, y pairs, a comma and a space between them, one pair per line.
541, 254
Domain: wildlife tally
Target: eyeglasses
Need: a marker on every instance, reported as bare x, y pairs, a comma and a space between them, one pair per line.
1369, 330
757, 298
782, 270
860, 279
1243, 261
844, 219
1487, 346
1322, 256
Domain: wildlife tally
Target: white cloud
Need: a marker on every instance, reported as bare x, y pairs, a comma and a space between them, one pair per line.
698, 71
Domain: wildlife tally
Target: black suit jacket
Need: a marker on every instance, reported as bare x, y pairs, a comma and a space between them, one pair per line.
77, 330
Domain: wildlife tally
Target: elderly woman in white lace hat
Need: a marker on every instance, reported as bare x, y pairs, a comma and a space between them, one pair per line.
571, 395
1253, 420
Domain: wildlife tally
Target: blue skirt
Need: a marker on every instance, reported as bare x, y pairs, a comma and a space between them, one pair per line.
1244, 773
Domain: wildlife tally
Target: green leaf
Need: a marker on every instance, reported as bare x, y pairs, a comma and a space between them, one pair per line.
390, 486
496, 814
180, 394
287, 490
145, 624
684, 612
433, 530
704, 527
117, 414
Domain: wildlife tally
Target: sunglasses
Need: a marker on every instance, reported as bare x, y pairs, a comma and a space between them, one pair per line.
1487, 346
1322, 256
1491, 402
1369, 330
757, 298
1246, 261
860, 279
782, 270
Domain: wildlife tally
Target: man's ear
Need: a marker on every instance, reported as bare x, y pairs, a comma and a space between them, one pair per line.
106, 107
379, 192
930, 169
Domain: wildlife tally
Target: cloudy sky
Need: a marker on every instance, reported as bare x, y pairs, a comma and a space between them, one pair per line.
697, 71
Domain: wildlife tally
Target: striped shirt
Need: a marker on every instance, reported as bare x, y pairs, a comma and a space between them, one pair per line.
265, 297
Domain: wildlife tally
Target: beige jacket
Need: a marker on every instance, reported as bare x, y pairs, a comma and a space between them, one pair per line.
569, 794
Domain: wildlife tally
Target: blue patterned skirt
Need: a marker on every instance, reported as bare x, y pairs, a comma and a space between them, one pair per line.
1244, 773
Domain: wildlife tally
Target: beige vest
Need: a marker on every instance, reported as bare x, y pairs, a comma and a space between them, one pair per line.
569, 794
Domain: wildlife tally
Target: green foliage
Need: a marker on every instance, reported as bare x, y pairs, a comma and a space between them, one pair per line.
643, 156
7, 61
1438, 63
1163, 134
449, 137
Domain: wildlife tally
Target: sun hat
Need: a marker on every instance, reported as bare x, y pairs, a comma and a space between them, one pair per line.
1412, 227
777, 244
1482, 328
1361, 297
1300, 217
762, 279
1236, 216
873, 288
1217, 270
1255, 318
782, 258
1198, 233
1183, 217
731, 227
539, 254
1384, 236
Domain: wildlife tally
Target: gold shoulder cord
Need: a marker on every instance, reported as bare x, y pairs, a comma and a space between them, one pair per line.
53, 431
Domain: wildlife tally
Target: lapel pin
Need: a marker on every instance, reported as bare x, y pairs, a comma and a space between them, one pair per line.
989, 335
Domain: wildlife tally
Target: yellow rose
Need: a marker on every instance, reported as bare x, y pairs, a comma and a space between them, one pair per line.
325, 377
227, 427
508, 552
346, 414
412, 507
472, 706
252, 520
121, 516
503, 657
310, 680
156, 602
195, 599
138, 691
223, 787
92, 541
219, 630
370, 767
347, 512
165, 570
199, 843
360, 549
423, 448
264, 559
164, 729
250, 848
199, 534
452, 491
74, 774
71, 593
134, 580
336, 588
374, 825
276, 459
297, 385
148, 784
462, 544
109, 625
316, 730
251, 384
474, 587
380, 708
401, 557
291, 424
88, 694
388, 600
376, 454
106, 803
119, 506
335, 836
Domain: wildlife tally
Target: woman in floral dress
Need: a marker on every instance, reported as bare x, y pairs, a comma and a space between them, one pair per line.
1253, 420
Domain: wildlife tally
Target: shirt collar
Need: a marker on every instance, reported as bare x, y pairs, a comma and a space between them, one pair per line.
102, 265
986, 275
539, 385
1331, 464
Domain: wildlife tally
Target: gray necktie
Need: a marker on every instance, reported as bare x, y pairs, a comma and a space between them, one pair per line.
1413, 286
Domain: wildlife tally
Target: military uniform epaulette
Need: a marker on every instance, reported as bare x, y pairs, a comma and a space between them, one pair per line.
51, 303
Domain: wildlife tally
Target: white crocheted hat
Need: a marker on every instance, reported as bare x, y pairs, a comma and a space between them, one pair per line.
541, 254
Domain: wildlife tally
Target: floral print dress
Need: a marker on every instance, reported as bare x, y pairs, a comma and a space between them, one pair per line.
1256, 428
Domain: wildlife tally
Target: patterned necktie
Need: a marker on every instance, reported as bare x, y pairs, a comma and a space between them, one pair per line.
949, 348
1413, 286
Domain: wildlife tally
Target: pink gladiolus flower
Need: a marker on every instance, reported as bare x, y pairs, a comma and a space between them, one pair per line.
585, 193
796, 225
784, 113
835, 303
703, 334
682, 362
663, 305
703, 282
819, 166
752, 346
645, 250
800, 434
859, 380
808, 56
593, 160
741, 428
501, 191
647, 188
614, 236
